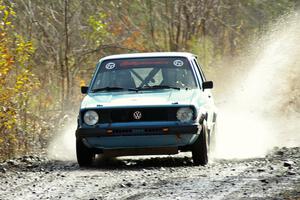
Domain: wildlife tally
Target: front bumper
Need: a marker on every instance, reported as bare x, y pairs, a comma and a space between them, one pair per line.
141, 135
136, 131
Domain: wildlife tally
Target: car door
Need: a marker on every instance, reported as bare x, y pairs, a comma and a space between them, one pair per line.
211, 109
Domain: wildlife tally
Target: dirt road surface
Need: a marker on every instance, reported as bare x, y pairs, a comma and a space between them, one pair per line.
277, 176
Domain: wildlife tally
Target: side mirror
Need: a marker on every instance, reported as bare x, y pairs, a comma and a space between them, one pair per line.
84, 89
207, 85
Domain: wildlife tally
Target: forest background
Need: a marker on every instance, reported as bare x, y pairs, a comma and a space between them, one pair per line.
49, 49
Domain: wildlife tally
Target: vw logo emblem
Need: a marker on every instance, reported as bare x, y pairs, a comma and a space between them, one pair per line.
137, 115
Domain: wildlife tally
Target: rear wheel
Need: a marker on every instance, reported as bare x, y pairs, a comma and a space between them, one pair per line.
84, 155
199, 149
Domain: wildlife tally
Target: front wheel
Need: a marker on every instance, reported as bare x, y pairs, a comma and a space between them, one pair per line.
199, 149
84, 155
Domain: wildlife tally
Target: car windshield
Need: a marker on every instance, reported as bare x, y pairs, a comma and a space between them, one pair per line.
144, 74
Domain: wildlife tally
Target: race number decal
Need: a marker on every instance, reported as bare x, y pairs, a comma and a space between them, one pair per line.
178, 63
110, 65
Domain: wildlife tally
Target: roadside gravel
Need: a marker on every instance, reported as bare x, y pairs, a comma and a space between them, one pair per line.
277, 176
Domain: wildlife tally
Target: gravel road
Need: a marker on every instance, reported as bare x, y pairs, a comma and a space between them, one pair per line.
277, 176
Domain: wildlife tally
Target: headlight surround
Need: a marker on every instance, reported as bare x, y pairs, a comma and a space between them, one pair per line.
91, 117
185, 114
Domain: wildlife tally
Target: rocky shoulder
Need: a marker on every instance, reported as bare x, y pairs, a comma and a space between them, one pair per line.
35, 177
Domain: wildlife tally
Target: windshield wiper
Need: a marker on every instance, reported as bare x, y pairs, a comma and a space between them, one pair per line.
157, 87
135, 89
107, 89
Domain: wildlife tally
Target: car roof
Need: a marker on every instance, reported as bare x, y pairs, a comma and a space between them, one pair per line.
149, 55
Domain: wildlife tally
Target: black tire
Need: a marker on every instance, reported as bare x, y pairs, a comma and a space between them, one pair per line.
84, 155
199, 149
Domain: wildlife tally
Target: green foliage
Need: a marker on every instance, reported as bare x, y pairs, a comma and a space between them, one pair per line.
17, 82
99, 28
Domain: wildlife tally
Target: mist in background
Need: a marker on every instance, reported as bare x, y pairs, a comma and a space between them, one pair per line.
259, 100
63, 145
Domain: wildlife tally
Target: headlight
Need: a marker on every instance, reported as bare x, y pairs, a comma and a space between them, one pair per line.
185, 114
90, 117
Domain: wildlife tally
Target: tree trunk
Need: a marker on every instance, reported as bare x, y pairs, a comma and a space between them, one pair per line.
66, 59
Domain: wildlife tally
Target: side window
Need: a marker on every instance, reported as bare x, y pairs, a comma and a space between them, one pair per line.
199, 70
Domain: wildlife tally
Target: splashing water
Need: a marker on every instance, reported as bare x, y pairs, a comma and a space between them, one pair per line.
252, 120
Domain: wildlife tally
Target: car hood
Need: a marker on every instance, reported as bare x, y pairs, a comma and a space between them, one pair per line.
144, 98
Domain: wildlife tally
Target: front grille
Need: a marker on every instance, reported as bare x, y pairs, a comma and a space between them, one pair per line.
120, 131
126, 114
152, 131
